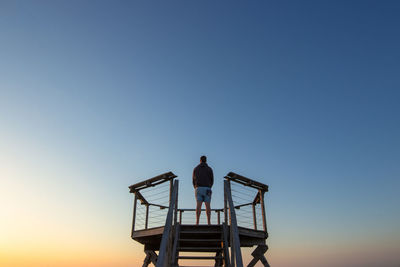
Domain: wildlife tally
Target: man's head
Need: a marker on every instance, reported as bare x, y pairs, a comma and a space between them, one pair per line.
203, 159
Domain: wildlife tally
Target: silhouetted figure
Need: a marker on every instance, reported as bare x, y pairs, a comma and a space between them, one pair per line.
203, 180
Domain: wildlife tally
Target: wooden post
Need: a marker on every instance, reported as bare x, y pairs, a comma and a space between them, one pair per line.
225, 208
263, 209
175, 251
134, 215
164, 255
231, 230
219, 217
180, 216
171, 187
147, 217
254, 216
225, 245
176, 203
236, 254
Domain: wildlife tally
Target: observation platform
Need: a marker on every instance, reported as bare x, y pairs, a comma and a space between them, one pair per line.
161, 226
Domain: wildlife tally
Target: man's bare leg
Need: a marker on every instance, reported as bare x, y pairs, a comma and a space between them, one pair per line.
208, 211
198, 211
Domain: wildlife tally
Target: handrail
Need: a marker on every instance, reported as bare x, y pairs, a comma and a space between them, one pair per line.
165, 254
236, 253
152, 181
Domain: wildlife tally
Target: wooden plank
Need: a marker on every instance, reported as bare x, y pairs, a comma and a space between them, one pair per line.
250, 232
215, 210
243, 205
148, 232
200, 240
151, 182
197, 257
160, 206
246, 181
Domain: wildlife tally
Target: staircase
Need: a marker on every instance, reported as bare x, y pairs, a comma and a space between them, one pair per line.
207, 239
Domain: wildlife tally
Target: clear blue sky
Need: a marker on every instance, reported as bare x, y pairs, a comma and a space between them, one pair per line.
301, 95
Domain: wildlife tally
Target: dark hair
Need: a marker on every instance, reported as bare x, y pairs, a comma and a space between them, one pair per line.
203, 159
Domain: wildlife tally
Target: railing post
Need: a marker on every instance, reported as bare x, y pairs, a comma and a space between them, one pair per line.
219, 217
180, 216
171, 187
225, 207
147, 217
232, 241
176, 203
254, 216
134, 214
261, 192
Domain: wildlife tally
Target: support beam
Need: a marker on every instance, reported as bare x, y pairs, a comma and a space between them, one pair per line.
258, 255
151, 257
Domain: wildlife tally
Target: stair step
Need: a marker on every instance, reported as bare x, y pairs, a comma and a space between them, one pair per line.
206, 231
199, 257
199, 240
200, 249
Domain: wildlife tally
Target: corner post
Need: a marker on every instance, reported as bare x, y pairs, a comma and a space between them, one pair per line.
171, 187
254, 216
147, 217
134, 214
261, 192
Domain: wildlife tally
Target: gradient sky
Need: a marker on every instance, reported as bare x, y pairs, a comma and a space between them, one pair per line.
98, 95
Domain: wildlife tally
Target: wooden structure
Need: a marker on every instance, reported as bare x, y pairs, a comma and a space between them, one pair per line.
220, 242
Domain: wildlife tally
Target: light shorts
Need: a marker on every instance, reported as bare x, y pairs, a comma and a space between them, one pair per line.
203, 194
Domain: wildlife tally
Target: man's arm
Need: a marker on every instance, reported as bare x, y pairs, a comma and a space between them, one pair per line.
194, 178
212, 177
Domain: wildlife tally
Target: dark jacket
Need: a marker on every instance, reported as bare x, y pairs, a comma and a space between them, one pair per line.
203, 175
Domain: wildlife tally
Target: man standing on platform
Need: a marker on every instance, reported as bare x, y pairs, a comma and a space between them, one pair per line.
203, 180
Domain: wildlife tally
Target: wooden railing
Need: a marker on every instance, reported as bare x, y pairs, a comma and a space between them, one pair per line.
165, 256
190, 219
158, 197
154, 196
248, 198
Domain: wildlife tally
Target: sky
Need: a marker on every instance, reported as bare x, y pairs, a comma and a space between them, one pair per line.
300, 95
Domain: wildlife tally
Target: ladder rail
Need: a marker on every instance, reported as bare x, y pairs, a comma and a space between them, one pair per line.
165, 253
236, 253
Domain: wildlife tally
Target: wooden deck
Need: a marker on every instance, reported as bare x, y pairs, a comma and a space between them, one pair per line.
151, 238
223, 239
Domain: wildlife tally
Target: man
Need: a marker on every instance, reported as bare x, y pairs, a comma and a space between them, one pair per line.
203, 180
